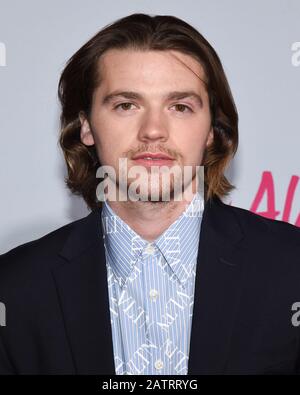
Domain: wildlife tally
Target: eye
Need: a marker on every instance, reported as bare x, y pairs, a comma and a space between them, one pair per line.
125, 106
181, 107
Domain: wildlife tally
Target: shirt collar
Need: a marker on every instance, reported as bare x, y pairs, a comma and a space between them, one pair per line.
178, 244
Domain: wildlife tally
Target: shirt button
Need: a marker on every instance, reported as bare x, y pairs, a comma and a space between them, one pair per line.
150, 249
153, 293
159, 364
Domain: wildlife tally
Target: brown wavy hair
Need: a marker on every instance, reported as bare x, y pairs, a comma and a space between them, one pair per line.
144, 32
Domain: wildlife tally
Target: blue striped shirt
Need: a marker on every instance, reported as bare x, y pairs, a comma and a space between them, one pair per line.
151, 292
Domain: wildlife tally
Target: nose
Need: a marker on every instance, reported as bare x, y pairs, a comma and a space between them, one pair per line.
153, 127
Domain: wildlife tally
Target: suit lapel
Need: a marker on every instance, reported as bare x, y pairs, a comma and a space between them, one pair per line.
83, 293
217, 289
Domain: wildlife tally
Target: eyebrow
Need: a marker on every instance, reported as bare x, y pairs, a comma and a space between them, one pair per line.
174, 95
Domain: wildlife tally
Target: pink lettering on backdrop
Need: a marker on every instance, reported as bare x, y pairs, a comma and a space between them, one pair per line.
266, 187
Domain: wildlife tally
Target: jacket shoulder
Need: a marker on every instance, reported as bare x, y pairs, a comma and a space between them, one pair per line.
260, 226
39, 251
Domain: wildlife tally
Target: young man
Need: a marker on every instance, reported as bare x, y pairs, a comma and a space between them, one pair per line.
152, 286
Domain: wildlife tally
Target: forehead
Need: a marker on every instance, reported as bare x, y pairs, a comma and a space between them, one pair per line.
167, 68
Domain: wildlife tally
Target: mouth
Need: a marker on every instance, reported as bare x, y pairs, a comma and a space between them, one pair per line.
150, 159
154, 162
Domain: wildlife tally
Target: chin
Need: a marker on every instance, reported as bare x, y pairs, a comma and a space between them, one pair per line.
157, 194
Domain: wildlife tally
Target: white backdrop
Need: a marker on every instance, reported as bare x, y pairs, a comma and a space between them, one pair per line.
259, 45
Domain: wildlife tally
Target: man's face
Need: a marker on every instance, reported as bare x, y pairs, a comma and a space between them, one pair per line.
149, 120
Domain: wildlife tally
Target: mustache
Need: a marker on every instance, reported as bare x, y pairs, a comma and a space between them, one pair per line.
153, 149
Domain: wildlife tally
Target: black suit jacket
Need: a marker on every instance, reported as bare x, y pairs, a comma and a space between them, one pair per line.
247, 279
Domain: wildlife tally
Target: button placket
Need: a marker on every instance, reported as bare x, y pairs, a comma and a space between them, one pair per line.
150, 249
158, 364
155, 333
153, 293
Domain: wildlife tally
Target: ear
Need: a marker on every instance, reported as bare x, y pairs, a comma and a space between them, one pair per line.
86, 135
210, 137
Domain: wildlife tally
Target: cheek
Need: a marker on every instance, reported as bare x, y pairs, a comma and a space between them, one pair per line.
108, 138
111, 148
192, 143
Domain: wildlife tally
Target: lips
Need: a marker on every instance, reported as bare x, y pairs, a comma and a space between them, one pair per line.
149, 159
152, 156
